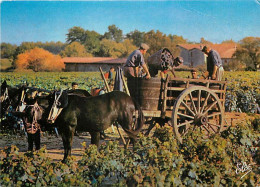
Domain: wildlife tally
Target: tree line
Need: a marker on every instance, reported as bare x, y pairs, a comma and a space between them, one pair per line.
86, 43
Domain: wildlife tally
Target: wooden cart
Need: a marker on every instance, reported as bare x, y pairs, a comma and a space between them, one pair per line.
187, 104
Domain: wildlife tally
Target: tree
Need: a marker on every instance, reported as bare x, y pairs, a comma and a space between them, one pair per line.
75, 49
76, 34
114, 34
203, 41
53, 47
7, 50
177, 39
110, 48
90, 39
234, 65
157, 40
25, 46
39, 59
92, 42
228, 41
136, 36
127, 48
248, 52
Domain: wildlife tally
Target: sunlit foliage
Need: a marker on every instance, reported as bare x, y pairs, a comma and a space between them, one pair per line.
38, 59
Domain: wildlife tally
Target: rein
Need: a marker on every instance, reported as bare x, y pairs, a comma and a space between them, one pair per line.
56, 102
21, 107
33, 127
5, 96
5, 101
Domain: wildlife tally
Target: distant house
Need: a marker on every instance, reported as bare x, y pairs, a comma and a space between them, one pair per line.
87, 64
193, 56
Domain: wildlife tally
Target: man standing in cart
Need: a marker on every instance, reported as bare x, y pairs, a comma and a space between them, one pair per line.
214, 63
136, 60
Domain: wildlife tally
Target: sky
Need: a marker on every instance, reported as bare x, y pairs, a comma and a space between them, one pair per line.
46, 21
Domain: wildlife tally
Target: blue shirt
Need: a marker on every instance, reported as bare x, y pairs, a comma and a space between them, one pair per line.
135, 59
213, 59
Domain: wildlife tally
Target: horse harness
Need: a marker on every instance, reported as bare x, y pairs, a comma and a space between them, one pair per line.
22, 104
34, 126
5, 96
6, 102
55, 111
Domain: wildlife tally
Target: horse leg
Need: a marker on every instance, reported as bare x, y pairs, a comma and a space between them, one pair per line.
67, 137
103, 135
162, 122
151, 126
126, 123
95, 138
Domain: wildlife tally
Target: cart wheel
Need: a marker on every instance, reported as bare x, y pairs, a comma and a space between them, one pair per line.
197, 107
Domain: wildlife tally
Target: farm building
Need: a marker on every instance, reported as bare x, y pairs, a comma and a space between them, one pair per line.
86, 64
193, 56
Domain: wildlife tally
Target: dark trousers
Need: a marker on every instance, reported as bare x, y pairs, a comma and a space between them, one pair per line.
36, 139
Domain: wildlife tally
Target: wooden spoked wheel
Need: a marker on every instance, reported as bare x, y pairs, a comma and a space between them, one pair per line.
197, 107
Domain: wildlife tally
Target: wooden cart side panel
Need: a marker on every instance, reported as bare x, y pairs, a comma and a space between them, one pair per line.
177, 85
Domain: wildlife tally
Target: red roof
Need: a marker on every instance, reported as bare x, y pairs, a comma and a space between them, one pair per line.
225, 50
93, 60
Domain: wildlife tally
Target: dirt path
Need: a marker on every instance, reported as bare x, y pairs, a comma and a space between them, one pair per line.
53, 144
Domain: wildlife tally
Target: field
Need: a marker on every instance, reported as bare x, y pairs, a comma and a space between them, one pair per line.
227, 159
243, 91
5, 64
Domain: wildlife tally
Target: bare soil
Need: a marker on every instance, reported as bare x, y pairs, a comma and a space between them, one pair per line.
53, 144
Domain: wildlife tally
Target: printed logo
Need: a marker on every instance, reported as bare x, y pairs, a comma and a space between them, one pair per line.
242, 168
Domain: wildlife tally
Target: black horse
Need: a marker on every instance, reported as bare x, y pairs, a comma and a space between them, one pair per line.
11, 101
96, 114
9, 96
45, 101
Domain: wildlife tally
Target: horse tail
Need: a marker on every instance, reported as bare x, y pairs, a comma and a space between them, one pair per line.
138, 123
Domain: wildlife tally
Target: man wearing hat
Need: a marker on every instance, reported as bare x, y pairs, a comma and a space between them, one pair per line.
214, 63
136, 60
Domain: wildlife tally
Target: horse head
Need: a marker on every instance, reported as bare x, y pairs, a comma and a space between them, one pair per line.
58, 100
19, 99
4, 92
9, 97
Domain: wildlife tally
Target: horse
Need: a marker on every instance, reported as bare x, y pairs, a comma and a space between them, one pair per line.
7, 95
79, 92
11, 96
46, 102
11, 100
95, 114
